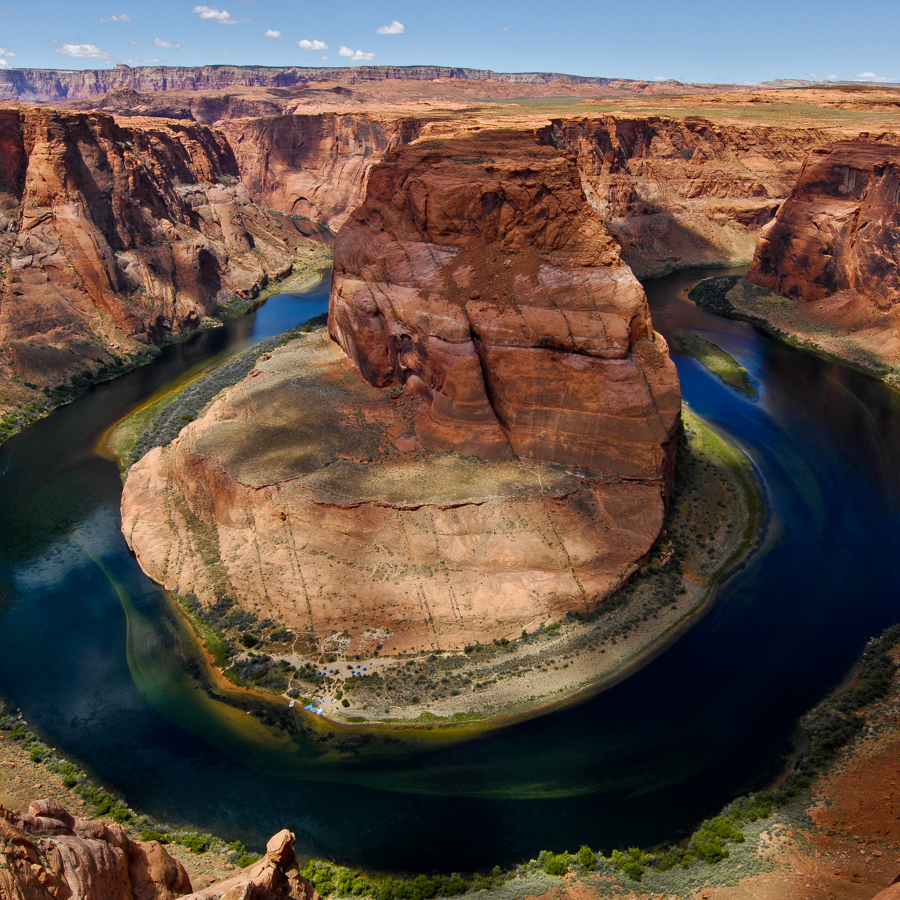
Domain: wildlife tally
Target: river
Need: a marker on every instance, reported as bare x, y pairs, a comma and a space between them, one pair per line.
101, 667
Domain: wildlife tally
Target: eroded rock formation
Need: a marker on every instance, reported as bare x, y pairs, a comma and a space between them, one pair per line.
496, 330
684, 192
838, 230
304, 493
476, 272
49, 854
834, 247
115, 232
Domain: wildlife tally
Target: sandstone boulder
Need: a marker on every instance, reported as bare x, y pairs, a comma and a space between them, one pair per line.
49, 854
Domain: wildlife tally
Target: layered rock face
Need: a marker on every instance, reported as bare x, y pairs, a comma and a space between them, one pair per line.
489, 314
48, 854
834, 247
303, 493
115, 232
838, 230
476, 272
313, 166
683, 192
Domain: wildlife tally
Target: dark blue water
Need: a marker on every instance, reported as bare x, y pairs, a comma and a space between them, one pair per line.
91, 652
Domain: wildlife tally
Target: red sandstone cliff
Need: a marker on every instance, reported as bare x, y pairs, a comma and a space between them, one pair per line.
833, 249
313, 166
476, 272
484, 302
684, 192
838, 230
117, 231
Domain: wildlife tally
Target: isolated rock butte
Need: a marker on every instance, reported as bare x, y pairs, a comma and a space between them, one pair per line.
49, 854
476, 272
115, 232
835, 244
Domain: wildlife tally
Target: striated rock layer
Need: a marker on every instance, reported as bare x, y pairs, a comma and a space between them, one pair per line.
672, 192
55, 85
115, 232
49, 854
313, 165
496, 330
476, 272
834, 245
679, 192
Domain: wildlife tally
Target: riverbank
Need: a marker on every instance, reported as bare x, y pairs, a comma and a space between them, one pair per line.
829, 830
23, 403
833, 328
715, 518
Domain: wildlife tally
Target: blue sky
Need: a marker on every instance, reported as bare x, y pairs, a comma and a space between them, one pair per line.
741, 41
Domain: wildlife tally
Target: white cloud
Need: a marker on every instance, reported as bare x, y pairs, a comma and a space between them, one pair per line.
357, 55
871, 76
222, 16
394, 28
323, 58
866, 75
272, 33
154, 61
124, 17
5, 52
157, 42
312, 45
4, 64
137, 42
660, 78
831, 78
82, 51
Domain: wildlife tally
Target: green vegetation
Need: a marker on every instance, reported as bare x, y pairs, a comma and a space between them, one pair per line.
160, 421
101, 802
728, 370
831, 727
224, 625
338, 881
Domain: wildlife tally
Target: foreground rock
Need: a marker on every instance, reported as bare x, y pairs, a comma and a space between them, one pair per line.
48, 854
833, 250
